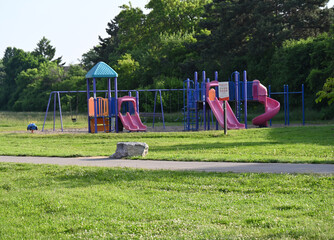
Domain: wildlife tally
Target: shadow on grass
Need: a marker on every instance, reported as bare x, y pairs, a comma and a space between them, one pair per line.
209, 146
81, 177
74, 177
320, 135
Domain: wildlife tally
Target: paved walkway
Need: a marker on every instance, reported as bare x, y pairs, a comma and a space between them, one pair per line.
182, 166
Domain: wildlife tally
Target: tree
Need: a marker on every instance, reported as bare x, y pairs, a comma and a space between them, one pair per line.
107, 49
45, 50
327, 92
2, 73
125, 32
132, 32
90, 58
16, 61
126, 68
174, 16
244, 33
2, 82
156, 41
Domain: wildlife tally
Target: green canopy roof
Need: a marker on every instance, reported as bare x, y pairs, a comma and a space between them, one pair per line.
101, 70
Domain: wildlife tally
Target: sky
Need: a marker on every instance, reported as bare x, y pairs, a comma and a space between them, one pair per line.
72, 26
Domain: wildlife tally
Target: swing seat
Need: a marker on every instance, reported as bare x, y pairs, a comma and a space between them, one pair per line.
74, 115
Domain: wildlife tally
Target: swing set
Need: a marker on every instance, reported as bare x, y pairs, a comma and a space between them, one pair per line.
103, 111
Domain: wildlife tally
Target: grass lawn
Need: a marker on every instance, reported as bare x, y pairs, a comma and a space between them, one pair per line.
68, 202
291, 144
61, 202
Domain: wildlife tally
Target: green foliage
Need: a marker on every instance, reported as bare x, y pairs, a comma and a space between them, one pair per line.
174, 16
132, 32
35, 83
126, 68
44, 49
2, 82
327, 92
32, 80
244, 34
307, 61
90, 58
14, 61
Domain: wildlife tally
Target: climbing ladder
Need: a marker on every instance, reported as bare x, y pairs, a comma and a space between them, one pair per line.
190, 104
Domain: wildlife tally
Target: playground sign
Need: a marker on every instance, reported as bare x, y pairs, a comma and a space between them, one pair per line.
223, 90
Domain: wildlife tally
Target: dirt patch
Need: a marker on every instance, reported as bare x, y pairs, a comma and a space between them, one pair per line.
159, 128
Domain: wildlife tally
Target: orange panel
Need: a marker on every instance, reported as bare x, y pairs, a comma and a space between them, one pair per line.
100, 126
212, 94
102, 105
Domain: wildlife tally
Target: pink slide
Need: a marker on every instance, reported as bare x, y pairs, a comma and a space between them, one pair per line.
137, 121
272, 106
218, 111
130, 122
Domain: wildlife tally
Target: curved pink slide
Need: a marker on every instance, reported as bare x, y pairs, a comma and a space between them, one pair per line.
130, 122
272, 106
218, 111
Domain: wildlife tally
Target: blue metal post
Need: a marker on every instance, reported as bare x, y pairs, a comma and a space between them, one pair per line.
196, 98
95, 104
137, 101
204, 100
116, 105
303, 104
188, 104
208, 120
287, 103
61, 118
184, 106
237, 97
128, 104
47, 109
217, 95
162, 110
155, 101
88, 95
54, 110
284, 92
245, 97
109, 103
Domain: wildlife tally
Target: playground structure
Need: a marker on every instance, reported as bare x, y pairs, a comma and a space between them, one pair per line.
201, 101
102, 111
